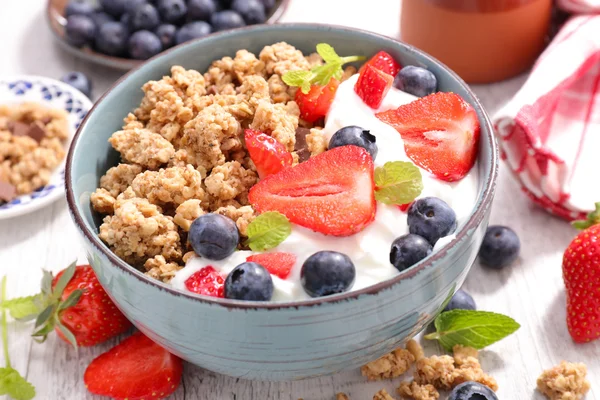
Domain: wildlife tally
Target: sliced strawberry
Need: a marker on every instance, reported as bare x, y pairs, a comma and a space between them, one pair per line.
315, 104
332, 193
404, 207
135, 369
440, 133
372, 85
207, 281
268, 155
383, 61
279, 264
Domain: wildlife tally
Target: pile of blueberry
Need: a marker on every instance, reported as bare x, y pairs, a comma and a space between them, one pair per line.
216, 237
140, 29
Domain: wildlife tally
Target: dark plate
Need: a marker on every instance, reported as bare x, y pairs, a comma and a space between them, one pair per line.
56, 21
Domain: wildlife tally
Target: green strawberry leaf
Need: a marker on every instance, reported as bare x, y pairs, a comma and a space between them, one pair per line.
320, 74
63, 281
267, 231
23, 308
593, 218
398, 182
14, 385
477, 329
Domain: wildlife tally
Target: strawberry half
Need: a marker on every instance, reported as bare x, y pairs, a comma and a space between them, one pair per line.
268, 155
372, 85
332, 193
279, 264
440, 133
207, 281
384, 62
135, 369
315, 104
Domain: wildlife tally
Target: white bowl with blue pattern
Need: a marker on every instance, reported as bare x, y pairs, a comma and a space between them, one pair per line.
52, 94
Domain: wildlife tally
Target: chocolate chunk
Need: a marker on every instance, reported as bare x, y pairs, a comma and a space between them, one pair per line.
301, 147
37, 131
18, 128
7, 192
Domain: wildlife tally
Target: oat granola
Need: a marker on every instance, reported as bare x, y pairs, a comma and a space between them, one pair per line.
183, 154
32, 139
389, 365
566, 381
415, 391
382, 395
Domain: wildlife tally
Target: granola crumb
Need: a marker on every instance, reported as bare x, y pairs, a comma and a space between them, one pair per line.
566, 381
143, 147
246, 64
468, 368
172, 185
279, 120
341, 396
242, 216
388, 366
412, 390
348, 72
229, 180
278, 90
316, 141
187, 212
314, 59
118, 179
462, 353
436, 370
158, 268
382, 395
103, 201
415, 349
281, 57
138, 231
187, 256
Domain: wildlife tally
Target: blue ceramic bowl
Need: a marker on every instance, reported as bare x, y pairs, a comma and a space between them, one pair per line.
273, 341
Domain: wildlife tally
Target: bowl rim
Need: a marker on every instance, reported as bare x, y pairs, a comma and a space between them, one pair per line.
123, 63
474, 220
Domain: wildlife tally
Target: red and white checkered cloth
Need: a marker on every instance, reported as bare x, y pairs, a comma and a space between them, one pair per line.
549, 133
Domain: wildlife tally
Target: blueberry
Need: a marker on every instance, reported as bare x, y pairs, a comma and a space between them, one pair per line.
213, 236
166, 34
269, 4
112, 38
249, 281
416, 81
253, 11
408, 250
192, 30
145, 17
79, 81
143, 45
172, 11
354, 135
461, 301
472, 391
201, 9
78, 8
126, 21
132, 5
80, 30
100, 18
227, 19
431, 218
327, 272
114, 7
500, 247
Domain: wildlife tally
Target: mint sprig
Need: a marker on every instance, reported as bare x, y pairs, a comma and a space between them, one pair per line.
477, 329
267, 231
320, 74
398, 182
11, 382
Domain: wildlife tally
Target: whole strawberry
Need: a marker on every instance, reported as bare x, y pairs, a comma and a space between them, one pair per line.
581, 273
77, 308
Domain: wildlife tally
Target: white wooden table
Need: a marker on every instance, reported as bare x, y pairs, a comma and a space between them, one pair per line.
531, 291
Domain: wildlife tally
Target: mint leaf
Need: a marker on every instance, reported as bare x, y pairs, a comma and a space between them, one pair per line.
328, 54
267, 231
398, 182
23, 308
14, 385
476, 329
320, 74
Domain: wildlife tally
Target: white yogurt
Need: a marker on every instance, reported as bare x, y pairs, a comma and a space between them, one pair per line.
370, 248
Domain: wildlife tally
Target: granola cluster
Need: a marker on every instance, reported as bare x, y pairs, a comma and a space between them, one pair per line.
183, 154
431, 373
566, 381
32, 139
